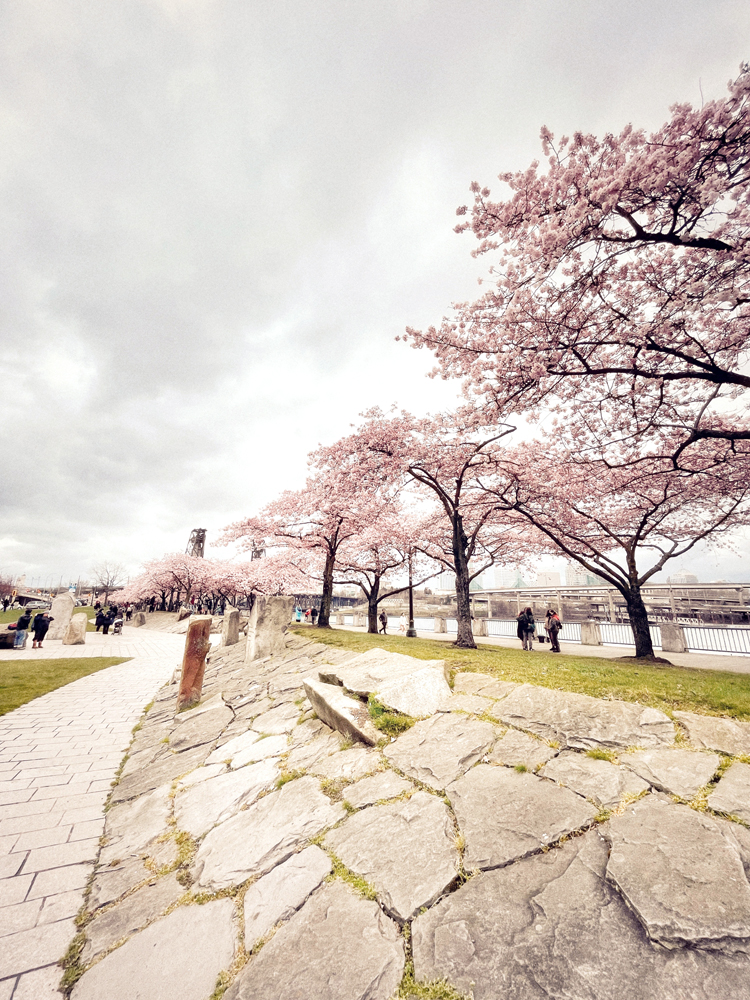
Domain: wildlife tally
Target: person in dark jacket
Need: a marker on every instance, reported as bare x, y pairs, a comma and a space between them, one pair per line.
100, 617
383, 619
22, 626
40, 627
526, 628
554, 625
108, 619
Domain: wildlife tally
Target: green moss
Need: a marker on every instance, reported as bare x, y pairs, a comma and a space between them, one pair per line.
361, 885
435, 989
520, 768
599, 753
286, 776
388, 722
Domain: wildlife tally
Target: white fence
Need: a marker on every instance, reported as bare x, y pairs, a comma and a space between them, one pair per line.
698, 638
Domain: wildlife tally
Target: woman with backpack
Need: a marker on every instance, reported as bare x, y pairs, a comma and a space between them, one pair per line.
554, 625
526, 628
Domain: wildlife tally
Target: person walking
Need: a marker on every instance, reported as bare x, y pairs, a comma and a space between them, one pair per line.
40, 627
402, 623
314, 615
383, 619
554, 625
22, 626
526, 628
100, 617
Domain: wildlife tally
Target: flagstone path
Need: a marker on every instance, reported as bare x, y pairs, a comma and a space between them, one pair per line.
58, 757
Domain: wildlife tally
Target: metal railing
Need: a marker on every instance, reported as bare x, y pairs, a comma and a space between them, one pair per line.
698, 638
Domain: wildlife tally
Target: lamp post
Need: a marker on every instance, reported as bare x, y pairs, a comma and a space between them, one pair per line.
411, 632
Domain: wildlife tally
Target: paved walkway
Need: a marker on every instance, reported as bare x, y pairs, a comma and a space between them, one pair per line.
58, 756
701, 661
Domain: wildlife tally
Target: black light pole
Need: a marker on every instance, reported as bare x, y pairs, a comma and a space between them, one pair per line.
411, 632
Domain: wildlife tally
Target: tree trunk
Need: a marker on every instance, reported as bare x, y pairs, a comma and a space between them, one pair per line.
324, 618
465, 637
639, 622
372, 608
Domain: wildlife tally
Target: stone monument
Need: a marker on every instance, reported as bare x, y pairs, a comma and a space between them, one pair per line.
672, 638
591, 634
62, 611
197, 644
139, 618
230, 632
75, 634
267, 625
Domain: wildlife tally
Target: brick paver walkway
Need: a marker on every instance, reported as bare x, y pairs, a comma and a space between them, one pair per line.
58, 755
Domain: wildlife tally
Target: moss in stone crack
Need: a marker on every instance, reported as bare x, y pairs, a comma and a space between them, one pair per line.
435, 989
390, 723
334, 788
599, 753
521, 768
71, 963
286, 776
361, 885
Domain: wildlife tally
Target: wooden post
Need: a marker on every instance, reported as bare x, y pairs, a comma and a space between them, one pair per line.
197, 644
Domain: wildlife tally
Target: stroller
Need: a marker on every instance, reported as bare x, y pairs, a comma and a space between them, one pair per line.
117, 625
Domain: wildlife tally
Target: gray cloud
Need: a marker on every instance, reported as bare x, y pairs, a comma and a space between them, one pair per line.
216, 216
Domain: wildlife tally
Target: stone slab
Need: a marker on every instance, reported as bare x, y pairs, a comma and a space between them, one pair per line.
130, 827
278, 895
351, 764
680, 876
201, 774
165, 769
505, 816
552, 928
113, 881
266, 627
176, 958
518, 748
272, 829
482, 684
339, 946
732, 794
605, 783
402, 683
303, 755
580, 722
406, 849
472, 704
440, 749
673, 770
133, 913
280, 719
348, 715
194, 728
715, 733
203, 805
384, 785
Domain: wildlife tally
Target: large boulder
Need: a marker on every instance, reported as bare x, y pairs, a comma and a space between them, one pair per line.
62, 610
266, 627
75, 634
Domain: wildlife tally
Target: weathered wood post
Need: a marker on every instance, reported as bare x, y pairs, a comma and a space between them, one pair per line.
197, 644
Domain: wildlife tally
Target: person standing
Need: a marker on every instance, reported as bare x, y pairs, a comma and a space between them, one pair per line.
383, 619
100, 617
402, 623
314, 614
22, 626
554, 625
40, 627
106, 623
6, 602
526, 628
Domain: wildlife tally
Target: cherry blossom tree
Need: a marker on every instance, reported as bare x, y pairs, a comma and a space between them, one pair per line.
448, 457
624, 524
620, 278
313, 523
370, 559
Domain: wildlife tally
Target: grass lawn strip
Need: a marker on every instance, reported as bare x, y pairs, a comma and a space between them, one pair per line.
710, 692
23, 680
12, 616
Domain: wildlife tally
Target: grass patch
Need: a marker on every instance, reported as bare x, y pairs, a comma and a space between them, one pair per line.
435, 989
599, 753
388, 722
711, 692
13, 616
361, 885
287, 776
23, 680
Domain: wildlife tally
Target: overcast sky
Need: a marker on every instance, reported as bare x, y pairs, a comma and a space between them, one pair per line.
217, 215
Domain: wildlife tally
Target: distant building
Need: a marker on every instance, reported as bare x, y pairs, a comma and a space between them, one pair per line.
547, 578
577, 576
682, 577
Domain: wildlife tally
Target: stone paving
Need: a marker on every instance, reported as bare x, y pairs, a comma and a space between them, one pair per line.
518, 842
58, 756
